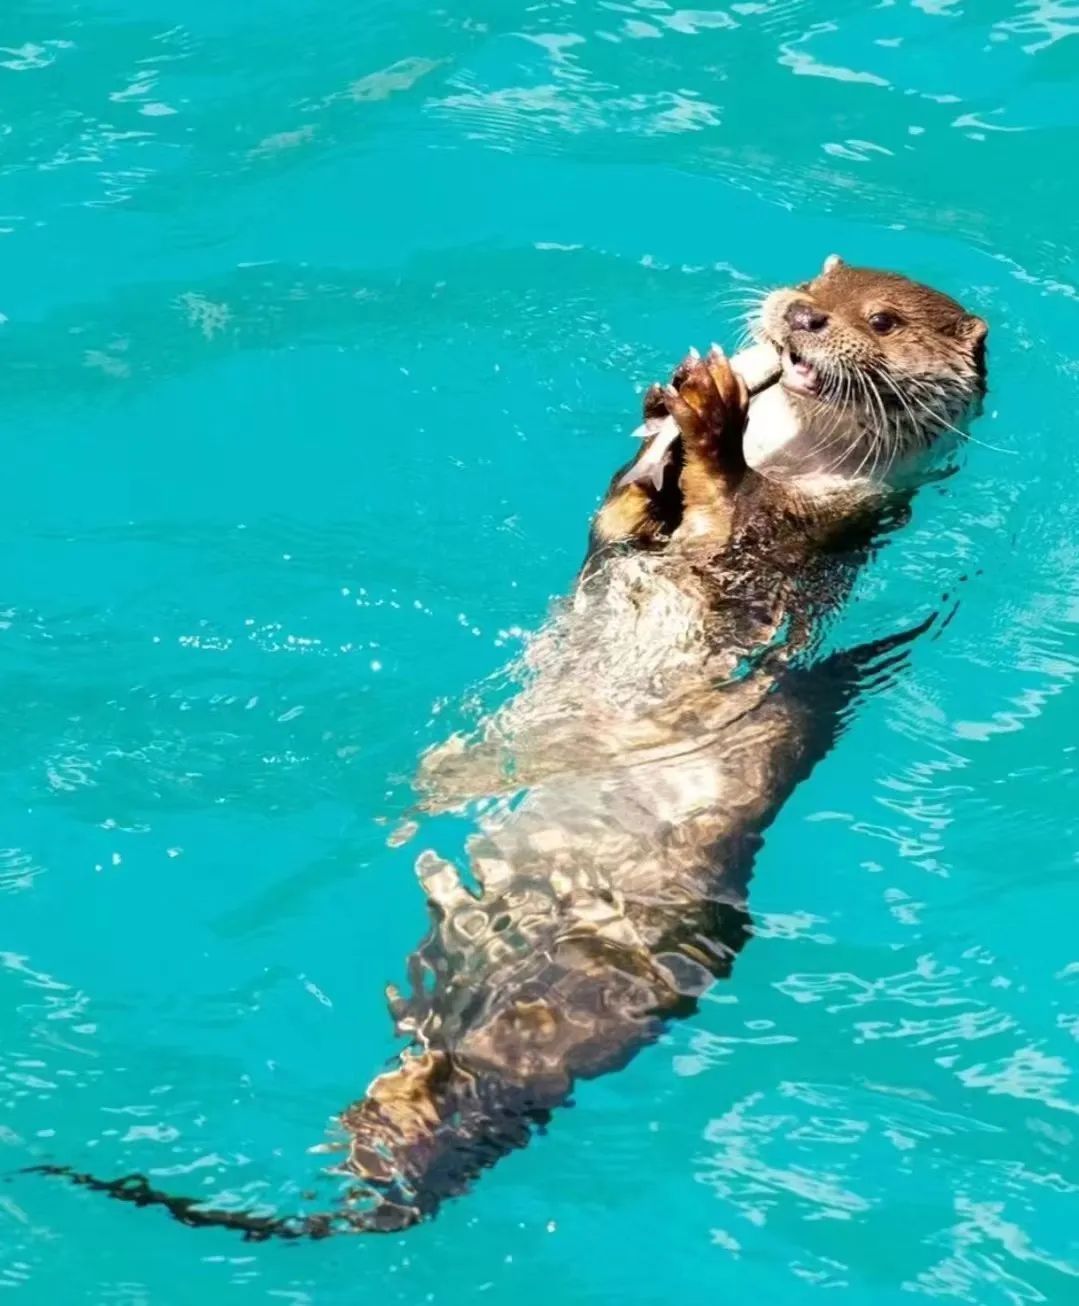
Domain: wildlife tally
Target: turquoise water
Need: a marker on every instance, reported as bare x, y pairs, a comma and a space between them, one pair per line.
322, 326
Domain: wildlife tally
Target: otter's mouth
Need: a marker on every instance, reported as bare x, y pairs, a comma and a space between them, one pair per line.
799, 375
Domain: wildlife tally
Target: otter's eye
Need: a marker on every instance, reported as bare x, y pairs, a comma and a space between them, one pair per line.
883, 322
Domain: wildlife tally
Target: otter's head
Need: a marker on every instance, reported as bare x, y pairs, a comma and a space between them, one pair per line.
875, 366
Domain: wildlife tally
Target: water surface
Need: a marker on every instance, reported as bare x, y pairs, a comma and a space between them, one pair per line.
321, 330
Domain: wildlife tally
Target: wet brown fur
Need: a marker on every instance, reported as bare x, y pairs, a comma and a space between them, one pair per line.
713, 511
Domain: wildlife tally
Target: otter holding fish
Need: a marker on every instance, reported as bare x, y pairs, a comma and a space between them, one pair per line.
872, 368
668, 711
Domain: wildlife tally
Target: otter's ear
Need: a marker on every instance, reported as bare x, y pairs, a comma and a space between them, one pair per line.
971, 329
832, 262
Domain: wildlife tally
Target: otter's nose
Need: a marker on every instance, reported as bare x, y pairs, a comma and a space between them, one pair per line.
801, 316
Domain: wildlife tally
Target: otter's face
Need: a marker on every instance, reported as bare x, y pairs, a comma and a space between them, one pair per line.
905, 361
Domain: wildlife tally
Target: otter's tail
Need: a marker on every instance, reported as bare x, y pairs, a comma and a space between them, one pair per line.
419, 1136
136, 1188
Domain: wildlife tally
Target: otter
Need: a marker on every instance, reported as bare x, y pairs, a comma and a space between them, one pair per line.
667, 712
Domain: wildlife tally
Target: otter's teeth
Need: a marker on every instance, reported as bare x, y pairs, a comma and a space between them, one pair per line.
799, 374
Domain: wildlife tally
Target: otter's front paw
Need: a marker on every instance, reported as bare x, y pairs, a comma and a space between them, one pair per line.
708, 400
654, 406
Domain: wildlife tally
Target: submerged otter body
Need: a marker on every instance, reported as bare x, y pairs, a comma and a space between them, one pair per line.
669, 710
614, 892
